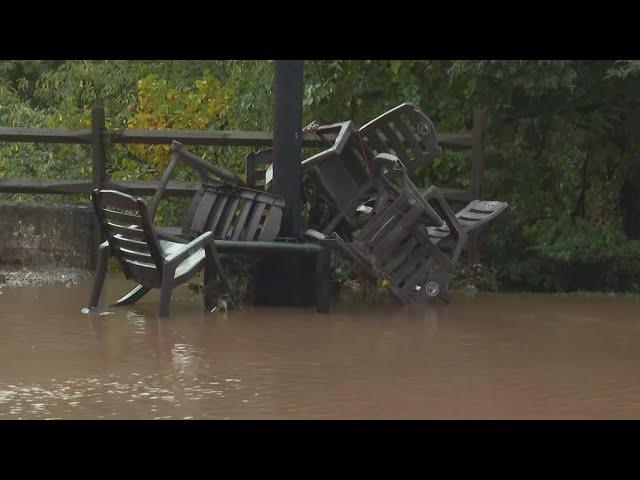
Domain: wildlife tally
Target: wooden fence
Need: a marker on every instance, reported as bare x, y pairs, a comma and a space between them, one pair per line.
100, 138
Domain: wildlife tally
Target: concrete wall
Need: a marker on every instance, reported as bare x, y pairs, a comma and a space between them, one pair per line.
47, 234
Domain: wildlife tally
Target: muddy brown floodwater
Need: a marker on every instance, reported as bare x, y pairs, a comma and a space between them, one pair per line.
492, 356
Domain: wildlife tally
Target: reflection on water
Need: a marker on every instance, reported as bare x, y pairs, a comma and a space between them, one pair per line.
494, 356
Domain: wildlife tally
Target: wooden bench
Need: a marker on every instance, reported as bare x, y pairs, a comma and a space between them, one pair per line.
241, 219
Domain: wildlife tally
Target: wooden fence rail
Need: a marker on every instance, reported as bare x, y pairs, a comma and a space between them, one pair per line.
99, 138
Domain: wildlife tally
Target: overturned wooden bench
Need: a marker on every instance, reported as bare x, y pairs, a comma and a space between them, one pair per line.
373, 219
242, 220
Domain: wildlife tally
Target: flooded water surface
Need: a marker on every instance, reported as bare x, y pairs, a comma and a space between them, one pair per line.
492, 356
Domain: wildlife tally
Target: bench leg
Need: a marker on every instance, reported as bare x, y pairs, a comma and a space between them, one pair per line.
213, 261
207, 285
166, 289
101, 272
323, 268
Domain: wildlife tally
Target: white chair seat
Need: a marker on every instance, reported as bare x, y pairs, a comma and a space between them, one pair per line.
192, 261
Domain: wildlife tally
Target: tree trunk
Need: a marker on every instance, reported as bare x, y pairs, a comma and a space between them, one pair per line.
630, 202
581, 205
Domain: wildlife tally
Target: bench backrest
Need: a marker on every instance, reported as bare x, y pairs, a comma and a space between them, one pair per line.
125, 223
234, 213
404, 131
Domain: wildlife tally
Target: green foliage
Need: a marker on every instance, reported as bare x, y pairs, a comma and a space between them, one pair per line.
479, 276
581, 256
570, 255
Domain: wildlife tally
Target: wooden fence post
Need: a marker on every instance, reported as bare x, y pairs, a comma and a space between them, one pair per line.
98, 153
99, 164
477, 174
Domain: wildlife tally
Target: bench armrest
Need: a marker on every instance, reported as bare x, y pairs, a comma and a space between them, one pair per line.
183, 252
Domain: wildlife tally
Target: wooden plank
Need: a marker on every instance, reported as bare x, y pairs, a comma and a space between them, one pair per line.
396, 234
98, 154
271, 226
477, 174
203, 212
400, 256
230, 216
132, 187
418, 277
188, 137
206, 168
45, 135
132, 244
193, 137
392, 138
122, 218
187, 219
455, 141
246, 138
132, 233
166, 176
136, 256
456, 194
217, 215
141, 188
375, 142
409, 133
49, 186
242, 219
254, 221
148, 188
204, 137
117, 199
477, 152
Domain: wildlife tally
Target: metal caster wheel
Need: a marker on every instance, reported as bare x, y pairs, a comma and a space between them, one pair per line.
432, 289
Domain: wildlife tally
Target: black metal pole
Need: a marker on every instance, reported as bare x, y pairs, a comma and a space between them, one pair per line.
287, 144
283, 278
